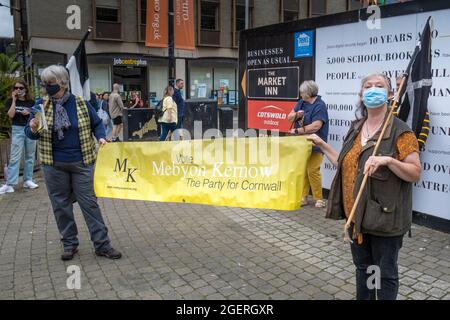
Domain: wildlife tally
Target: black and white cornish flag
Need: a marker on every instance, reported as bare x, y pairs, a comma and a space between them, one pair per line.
414, 108
78, 71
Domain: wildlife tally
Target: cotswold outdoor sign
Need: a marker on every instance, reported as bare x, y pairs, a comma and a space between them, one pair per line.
274, 68
129, 62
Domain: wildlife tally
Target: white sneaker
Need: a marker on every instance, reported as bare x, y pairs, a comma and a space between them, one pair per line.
6, 189
30, 185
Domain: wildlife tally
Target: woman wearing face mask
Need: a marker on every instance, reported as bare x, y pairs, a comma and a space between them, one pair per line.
67, 152
384, 213
18, 109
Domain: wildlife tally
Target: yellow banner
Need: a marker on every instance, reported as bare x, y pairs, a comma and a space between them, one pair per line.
263, 172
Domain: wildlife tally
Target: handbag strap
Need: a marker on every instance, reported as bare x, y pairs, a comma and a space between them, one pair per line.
296, 120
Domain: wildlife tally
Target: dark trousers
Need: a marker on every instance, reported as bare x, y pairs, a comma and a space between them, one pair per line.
180, 124
66, 182
381, 252
166, 128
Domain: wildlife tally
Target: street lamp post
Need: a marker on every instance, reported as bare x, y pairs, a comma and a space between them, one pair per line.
22, 35
171, 45
247, 14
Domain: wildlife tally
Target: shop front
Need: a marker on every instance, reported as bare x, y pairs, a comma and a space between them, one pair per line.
213, 79
134, 73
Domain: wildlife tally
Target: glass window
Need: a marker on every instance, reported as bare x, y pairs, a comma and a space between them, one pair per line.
209, 15
99, 77
354, 4
201, 82
225, 85
240, 17
290, 10
225, 77
318, 7
158, 80
290, 15
143, 11
107, 14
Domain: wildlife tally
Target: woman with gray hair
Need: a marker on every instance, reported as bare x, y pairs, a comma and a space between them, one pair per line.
310, 115
384, 213
67, 152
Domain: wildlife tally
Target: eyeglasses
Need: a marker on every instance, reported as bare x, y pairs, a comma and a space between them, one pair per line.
19, 88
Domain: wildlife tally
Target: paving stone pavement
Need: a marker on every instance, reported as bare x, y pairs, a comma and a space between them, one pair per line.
186, 251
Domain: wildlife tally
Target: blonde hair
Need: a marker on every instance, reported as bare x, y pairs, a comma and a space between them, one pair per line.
167, 90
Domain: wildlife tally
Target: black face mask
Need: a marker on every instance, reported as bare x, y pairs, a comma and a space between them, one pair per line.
52, 89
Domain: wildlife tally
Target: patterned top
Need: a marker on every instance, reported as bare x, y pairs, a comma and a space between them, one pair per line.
406, 144
86, 141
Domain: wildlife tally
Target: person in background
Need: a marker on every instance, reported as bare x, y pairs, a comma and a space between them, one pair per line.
136, 102
384, 213
18, 109
116, 112
99, 100
178, 98
311, 116
169, 119
105, 107
94, 101
67, 153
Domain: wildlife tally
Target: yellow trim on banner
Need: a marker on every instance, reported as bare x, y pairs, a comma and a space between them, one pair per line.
263, 172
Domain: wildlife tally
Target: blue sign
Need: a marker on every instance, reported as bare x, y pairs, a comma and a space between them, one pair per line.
304, 42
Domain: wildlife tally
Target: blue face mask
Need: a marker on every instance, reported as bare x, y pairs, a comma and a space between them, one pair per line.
374, 97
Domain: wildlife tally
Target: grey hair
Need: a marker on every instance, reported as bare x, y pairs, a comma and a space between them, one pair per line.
57, 73
310, 88
361, 110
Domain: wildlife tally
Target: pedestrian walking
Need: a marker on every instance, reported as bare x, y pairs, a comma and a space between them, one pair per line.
178, 98
169, 118
116, 112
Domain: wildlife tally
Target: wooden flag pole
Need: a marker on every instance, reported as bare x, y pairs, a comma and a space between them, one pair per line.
347, 237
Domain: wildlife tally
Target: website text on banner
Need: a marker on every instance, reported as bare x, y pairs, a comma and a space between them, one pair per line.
264, 172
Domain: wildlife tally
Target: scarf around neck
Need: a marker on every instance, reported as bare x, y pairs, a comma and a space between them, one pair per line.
62, 121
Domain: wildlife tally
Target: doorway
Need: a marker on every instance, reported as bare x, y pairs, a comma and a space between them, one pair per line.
131, 79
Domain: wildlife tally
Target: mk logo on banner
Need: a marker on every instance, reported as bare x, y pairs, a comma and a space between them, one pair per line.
121, 166
264, 172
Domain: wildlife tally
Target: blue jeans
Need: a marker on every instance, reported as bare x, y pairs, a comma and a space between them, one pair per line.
109, 127
381, 252
165, 128
21, 143
66, 182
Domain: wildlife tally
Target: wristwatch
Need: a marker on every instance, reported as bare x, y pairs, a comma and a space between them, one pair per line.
296, 130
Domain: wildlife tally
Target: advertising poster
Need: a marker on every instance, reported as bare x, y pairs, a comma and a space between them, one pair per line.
275, 68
